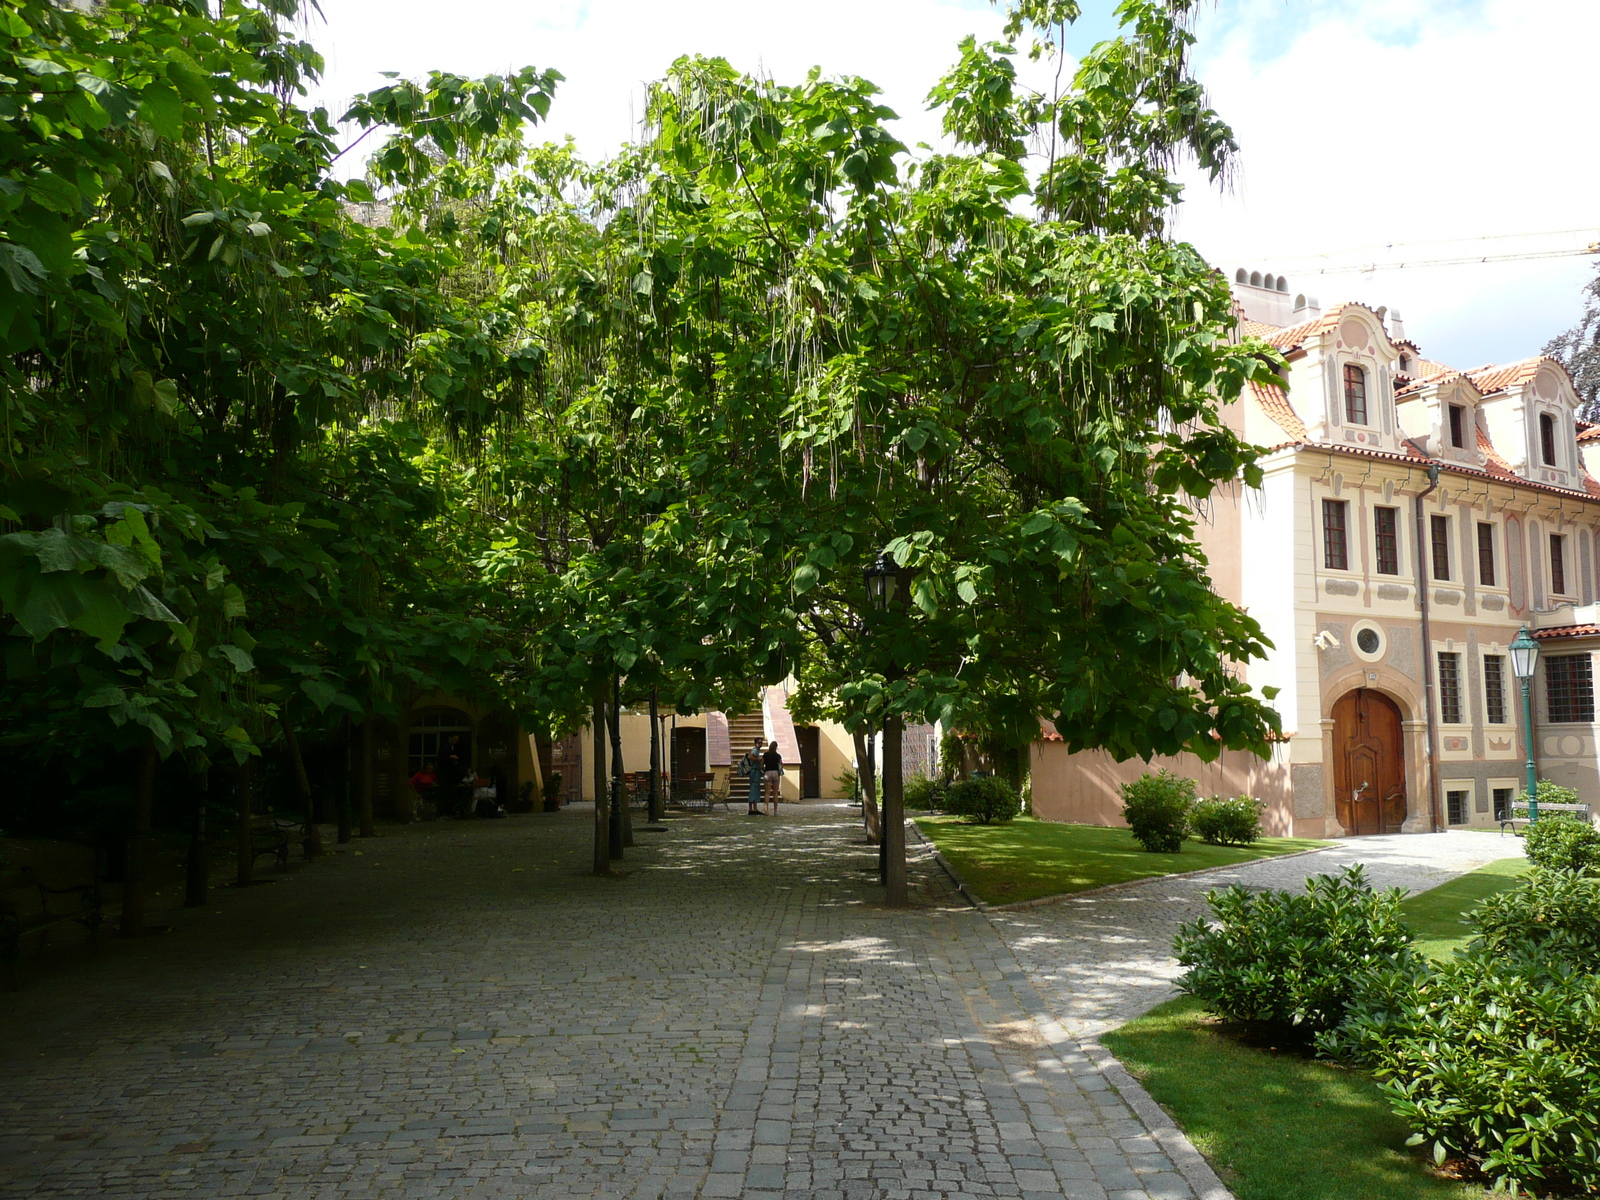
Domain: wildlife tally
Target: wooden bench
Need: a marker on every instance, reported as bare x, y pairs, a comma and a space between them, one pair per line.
27, 906
1517, 824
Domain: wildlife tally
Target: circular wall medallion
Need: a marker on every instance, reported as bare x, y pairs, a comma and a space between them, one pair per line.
1367, 641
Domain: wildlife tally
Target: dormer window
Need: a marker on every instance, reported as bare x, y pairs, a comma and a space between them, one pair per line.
1355, 395
1547, 438
1458, 423
1405, 362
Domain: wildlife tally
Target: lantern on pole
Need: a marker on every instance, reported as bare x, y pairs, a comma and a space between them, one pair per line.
1524, 658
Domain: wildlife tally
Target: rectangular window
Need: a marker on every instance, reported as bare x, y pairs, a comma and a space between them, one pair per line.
1502, 803
1387, 523
1449, 688
1558, 564
1485, 554
1440, 529
1456, 807
1458, 432
1335, 550
1547, 439
1355, 394
1494, 688
1569, 688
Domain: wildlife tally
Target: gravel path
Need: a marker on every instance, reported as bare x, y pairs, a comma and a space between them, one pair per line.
1102, 958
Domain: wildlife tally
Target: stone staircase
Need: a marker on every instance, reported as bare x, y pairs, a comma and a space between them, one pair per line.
743, 730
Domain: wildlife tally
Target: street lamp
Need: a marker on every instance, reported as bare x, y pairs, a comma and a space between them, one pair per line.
1524, 657
883, 582
883, 586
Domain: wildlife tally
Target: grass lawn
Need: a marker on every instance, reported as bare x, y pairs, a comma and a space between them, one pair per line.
1026, 859
1279, 1124
1275, 1125
1439, 916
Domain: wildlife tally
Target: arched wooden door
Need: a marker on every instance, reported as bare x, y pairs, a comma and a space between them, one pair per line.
1369, 767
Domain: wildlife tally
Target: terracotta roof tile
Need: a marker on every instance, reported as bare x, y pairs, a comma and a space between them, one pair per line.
1591, 434
1275, 404
1260, 329
1494, 464
1426, 367
1294, 336
1496, 378
1566, 631
1418, 382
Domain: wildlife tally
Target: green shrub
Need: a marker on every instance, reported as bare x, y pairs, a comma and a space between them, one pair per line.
1281, 959
846, 783
1156, 808
552, 785
1552, 912
1489, 1058
983, 800
1563, 842
1226, 822
922, 793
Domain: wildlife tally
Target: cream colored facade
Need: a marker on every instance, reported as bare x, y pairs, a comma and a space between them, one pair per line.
726, 739
1379, 502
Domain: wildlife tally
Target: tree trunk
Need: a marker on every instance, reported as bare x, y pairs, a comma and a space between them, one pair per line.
602, 822
344, 792
246, 836
133, 887
868, 786
894, 825
367, 732
195, 873
619, 774
302, 787
656, 812
545, 754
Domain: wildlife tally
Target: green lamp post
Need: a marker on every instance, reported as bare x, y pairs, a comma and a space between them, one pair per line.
1524, 657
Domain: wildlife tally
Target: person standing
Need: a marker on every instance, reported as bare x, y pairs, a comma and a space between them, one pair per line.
751, 767
771, 776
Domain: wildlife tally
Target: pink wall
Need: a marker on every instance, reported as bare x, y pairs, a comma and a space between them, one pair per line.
1084, 788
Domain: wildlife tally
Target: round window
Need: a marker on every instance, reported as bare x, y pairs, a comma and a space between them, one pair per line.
1368, 641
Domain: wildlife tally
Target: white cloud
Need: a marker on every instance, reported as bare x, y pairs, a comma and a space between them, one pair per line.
1361, 122
1366, 123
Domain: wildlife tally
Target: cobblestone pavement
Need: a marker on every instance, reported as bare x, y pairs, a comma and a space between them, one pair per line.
460, 1010
1103, 958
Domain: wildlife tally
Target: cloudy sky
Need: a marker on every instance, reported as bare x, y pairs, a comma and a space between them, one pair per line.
1372, 132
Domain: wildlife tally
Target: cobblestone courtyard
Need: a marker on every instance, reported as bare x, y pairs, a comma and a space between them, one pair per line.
460, 1011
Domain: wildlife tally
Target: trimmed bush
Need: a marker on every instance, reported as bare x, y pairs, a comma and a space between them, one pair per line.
921, 793
983, 800
1156, 808
1563, 842
1279, 959
1550, 912
1223, 821
1489, 1058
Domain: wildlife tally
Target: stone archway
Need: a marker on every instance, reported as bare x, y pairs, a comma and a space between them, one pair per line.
1369, 767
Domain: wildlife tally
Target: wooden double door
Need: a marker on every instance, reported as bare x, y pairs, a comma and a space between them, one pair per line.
1369, 766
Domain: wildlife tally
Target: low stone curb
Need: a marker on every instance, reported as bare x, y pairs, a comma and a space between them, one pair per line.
1058, 897
1169, 1135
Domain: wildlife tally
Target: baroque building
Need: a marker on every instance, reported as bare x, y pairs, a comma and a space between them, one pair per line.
1413, 517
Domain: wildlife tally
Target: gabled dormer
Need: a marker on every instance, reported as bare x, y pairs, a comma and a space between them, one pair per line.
1341, 375
1530, 410
1440, 415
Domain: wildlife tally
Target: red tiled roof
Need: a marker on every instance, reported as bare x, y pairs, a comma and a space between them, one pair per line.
1294, 336
1275, 403
1494, 464
1260, 329
1496, 378
1418, 382
1414, 457
1592, 433
1566, 631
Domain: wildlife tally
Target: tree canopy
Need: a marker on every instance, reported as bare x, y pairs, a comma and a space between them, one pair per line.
498, 421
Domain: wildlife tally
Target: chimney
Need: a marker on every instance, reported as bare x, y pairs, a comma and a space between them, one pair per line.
1397, 329
1306, 308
